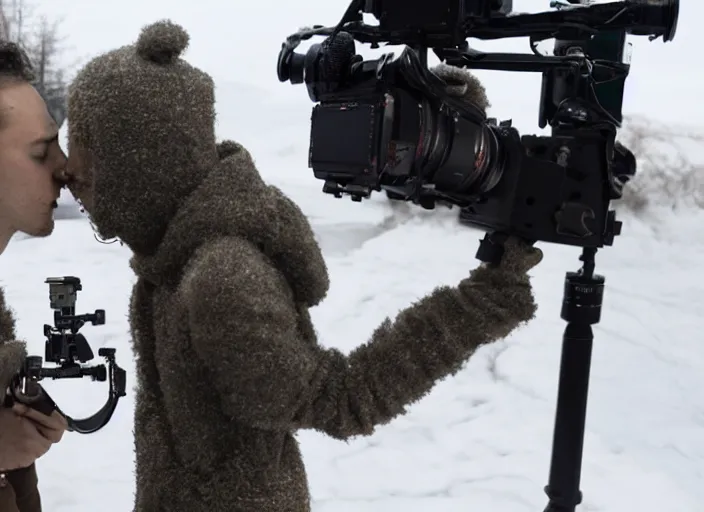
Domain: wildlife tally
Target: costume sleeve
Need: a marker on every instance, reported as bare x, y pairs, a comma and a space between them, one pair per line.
245, 324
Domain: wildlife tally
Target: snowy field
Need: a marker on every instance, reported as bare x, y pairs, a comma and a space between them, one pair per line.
481, 440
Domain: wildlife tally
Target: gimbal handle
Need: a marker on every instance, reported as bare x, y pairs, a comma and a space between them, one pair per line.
41, 401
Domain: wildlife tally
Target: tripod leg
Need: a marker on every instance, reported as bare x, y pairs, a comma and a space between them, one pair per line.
568, 436
581, 309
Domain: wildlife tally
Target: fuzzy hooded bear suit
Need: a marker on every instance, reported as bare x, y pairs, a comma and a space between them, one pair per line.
228, 363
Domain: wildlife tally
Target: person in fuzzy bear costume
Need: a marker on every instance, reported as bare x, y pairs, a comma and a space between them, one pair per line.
228, 363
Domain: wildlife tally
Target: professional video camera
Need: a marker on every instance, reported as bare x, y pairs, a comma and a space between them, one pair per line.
389, 124
69, 349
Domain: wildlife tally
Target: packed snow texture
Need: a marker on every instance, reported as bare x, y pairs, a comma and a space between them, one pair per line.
481, 440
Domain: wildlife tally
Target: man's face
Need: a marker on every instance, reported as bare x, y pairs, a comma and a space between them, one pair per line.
30, 161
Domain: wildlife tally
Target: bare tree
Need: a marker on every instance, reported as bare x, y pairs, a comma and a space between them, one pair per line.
41, 40
43, 51
13, 14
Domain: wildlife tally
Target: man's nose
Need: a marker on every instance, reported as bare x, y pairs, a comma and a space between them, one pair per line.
62, 176
61, 173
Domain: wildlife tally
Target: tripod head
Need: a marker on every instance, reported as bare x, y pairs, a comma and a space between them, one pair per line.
69, 350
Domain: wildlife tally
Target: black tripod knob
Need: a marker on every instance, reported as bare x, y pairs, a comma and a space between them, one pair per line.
582, 299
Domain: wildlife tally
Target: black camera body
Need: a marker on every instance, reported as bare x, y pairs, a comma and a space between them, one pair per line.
389, 124
64, 345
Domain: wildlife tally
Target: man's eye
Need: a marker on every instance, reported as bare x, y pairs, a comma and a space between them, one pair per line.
41, 158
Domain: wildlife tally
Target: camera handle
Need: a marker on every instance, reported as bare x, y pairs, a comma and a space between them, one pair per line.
41, 401
581, 308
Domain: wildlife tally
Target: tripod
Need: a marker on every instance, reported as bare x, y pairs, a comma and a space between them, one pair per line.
581, 308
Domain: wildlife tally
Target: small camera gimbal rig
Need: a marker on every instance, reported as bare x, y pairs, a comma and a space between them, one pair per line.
70, 350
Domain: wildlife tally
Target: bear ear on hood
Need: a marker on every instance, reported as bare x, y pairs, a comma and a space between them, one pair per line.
227, 148
162, 42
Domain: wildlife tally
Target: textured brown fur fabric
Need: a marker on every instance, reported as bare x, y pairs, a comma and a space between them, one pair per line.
12, 353
21, 493
228, 362
7, 320
461, 83
154, 112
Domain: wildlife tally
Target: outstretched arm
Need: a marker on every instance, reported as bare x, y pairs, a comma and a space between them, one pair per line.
243, 320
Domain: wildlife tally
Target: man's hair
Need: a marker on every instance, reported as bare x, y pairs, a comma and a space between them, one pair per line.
14, 63
15, 67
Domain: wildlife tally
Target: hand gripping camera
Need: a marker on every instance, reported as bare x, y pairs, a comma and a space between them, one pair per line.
69, 350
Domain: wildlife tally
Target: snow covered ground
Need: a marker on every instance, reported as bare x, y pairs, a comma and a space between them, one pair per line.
482, 439
479, 441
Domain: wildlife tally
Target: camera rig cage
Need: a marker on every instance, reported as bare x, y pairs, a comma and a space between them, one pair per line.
388, 124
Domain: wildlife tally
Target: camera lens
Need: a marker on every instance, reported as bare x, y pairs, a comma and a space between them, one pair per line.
464, 157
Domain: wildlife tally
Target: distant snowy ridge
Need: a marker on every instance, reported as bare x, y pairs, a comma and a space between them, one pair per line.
670, 162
